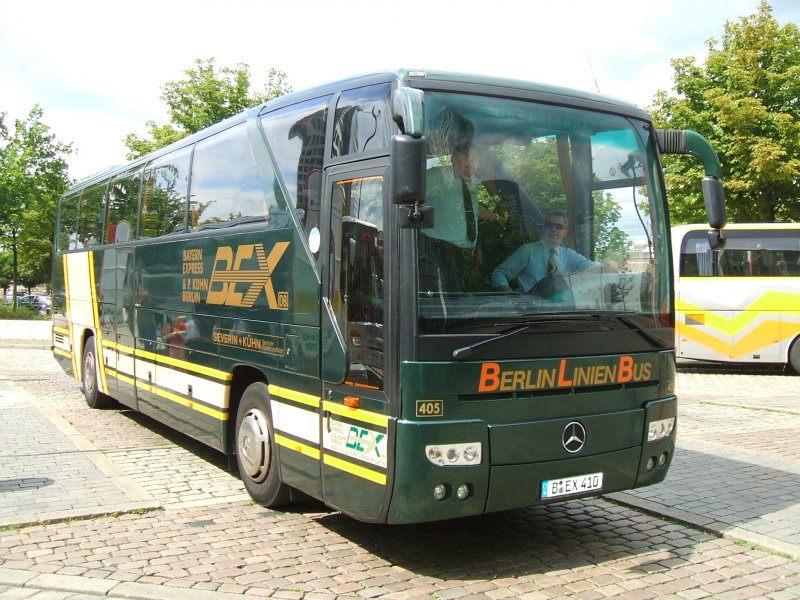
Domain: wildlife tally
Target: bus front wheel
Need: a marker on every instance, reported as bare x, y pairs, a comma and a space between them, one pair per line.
255, 448
794, 356
94, 397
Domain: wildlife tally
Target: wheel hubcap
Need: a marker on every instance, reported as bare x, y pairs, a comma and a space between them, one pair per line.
253, 445
89, 373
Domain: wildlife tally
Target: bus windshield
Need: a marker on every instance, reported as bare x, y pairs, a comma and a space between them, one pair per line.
538, 209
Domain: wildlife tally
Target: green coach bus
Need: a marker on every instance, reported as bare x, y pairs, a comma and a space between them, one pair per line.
311, 288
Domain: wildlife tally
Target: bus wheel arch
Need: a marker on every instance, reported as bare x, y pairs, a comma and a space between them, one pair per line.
90, 369
794, 355
255, 448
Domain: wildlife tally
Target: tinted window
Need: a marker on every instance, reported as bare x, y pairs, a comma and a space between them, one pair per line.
164, 196
357, 255
68, 223
362, 121
90, 215
296, 135
123, 206
756, 253
226, 187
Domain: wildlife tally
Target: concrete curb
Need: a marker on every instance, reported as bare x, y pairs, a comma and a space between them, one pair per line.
716, 528
106, 587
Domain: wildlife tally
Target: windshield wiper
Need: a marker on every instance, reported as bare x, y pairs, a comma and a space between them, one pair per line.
657, 341
467, 351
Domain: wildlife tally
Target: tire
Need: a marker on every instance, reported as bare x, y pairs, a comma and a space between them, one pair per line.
256, 454
794, 355
90, 388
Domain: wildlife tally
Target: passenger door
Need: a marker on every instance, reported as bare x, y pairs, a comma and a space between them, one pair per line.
355, 411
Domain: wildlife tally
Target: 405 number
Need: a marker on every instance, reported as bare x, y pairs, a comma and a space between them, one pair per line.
430, 408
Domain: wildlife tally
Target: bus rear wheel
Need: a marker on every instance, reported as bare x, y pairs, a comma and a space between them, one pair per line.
94, 397
256, 454
794, 355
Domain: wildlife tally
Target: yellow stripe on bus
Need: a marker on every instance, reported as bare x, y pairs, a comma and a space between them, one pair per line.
766, 334
63, 353
67, 304
348, 467
301, 397
96, 318
211, 412
356, 413
304, 449
769, 302
175, 362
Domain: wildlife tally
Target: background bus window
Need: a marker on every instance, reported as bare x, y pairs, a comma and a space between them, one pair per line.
754, 253
296, 135
357, 277
123, 207
362, 121
225, 185
90, 215
68, 223
164, 196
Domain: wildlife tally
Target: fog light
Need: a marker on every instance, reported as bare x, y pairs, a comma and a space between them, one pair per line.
463, 492
440, 492
651, 463
660, 429
662, 460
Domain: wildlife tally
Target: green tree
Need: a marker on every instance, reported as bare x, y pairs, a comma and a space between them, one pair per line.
207, 95
744, 99
33, 174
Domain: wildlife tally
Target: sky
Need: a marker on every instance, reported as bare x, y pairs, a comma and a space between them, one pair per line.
97, 69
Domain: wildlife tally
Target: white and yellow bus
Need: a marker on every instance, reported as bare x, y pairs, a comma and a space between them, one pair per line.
740, 303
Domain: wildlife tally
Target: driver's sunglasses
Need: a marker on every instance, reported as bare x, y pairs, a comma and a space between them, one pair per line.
551, 225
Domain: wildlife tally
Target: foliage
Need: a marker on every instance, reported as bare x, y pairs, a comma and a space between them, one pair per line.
33, 174
536, 166
21, 313
207, 95
744, 100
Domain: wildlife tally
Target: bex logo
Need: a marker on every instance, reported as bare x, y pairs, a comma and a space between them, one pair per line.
238, 280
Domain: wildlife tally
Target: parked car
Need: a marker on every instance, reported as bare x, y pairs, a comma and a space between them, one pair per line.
38, 302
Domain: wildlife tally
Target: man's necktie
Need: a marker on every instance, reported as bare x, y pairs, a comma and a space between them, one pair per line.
468, 211
552, 263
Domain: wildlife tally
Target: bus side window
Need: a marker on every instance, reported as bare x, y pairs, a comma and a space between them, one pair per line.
68, 222
90, 215
123, 206
296, 136
225, 183
163, 208
362, 121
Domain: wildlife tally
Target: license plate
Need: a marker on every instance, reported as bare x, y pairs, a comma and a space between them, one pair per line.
553, 488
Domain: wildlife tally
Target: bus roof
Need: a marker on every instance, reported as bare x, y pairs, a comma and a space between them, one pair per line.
419, 78
683, 229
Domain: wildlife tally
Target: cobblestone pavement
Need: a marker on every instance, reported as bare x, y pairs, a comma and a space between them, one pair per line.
111, 504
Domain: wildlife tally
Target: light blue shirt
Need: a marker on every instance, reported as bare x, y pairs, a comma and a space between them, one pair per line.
446, 195
528, 264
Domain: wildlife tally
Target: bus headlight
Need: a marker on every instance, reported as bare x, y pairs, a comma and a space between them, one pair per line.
454, 455
660, 429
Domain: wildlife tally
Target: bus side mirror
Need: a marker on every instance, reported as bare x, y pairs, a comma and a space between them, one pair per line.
716, 240
408, 169
714, 198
